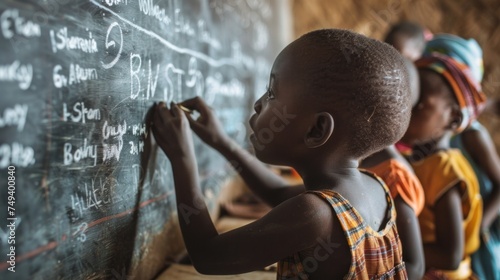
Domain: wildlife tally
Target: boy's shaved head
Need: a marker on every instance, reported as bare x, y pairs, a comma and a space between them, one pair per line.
362, 82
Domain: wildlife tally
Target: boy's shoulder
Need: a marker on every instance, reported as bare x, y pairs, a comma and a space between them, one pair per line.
309, 201
306, 207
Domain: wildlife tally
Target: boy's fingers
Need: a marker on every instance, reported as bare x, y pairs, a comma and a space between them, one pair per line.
158, 136
176, 111
149, 116
162, 115
195, 103
195, 125
157, 119
161, 105
155, 132
190, 118
173, 110
192, 102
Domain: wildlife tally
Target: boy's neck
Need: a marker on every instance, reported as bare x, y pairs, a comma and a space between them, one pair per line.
328, 175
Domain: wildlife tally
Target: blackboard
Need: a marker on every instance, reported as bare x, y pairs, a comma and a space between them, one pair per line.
87, 187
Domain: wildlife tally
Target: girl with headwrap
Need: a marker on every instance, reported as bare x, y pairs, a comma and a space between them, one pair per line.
449, 101
477, 146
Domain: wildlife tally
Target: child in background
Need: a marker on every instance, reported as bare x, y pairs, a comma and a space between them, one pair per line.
408, 38
406, 191
477, 146
334, 97
449, 101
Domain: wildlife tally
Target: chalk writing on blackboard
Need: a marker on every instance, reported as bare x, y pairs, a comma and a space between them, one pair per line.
17, 72
77, 81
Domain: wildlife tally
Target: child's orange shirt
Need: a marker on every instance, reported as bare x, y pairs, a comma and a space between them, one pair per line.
401, 182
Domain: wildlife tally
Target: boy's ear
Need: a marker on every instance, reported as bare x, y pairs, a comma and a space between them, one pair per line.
320, 130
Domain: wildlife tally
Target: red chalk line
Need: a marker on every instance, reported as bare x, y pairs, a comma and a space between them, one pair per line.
51, 245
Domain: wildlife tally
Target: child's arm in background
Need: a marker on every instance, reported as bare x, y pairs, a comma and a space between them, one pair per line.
290, 227
270, 187
480, 146
411, 240
447, 251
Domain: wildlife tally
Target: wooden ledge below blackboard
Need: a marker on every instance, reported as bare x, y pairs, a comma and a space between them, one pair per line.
187, 272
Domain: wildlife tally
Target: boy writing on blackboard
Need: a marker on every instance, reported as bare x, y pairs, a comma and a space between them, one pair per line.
345, 96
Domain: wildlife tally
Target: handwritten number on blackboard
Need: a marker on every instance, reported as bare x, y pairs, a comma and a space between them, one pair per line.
112, 44
80, 231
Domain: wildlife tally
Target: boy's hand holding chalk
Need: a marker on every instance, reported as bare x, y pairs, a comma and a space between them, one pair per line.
185, 109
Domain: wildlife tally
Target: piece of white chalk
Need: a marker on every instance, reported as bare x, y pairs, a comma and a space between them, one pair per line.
185, 109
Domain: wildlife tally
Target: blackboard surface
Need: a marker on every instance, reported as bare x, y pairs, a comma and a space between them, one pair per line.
77, 79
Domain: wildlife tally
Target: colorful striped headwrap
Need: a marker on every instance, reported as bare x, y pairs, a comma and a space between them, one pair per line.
466, 51
467, 91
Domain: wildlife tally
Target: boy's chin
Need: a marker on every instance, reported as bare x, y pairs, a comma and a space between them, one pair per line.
261, 153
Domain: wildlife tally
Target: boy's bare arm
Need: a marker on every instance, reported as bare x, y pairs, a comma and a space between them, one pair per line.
480, 146
269, 186
295, 225
447, 251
